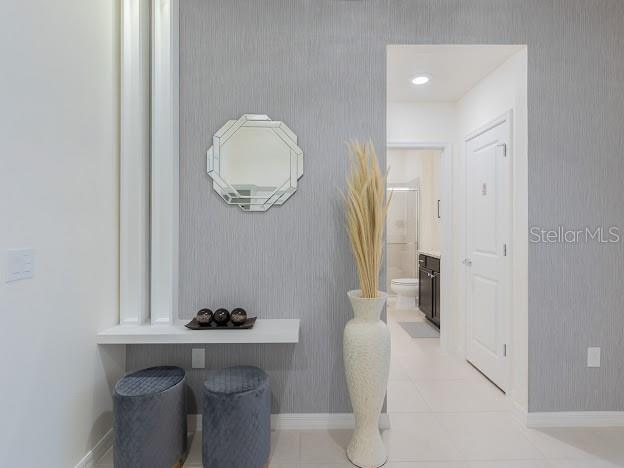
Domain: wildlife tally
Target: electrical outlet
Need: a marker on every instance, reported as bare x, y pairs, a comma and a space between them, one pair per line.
198, 358
20, 264
593, 357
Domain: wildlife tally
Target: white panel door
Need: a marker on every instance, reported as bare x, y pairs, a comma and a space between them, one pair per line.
488, 200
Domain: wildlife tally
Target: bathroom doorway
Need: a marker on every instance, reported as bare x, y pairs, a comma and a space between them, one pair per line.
414, 218
417, 180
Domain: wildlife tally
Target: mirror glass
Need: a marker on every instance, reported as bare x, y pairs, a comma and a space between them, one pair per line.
255, 162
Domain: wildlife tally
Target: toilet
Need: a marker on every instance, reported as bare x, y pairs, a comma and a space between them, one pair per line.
406, 290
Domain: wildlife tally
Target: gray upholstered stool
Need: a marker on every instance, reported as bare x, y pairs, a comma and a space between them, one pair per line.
236, 419
150, 419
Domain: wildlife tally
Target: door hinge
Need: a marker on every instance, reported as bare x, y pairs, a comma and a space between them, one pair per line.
505, 350
504, 146
504, 250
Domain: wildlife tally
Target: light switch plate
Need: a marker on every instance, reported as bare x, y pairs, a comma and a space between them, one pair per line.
198, 358
20, 264
593, 357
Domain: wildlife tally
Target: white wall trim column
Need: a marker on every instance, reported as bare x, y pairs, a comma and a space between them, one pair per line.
165, 161
134, 163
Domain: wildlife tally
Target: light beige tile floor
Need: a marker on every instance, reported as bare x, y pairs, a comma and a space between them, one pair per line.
444, 414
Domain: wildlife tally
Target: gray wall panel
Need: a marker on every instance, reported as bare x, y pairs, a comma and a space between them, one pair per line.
319, 65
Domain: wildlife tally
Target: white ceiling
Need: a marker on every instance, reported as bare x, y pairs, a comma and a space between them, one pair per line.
454, 69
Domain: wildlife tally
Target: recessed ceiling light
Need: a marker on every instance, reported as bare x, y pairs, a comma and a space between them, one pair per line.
421, 79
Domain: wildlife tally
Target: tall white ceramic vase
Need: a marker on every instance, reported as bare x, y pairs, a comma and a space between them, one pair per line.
366, 349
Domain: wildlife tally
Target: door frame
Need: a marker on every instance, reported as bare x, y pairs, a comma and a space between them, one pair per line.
446, 241
509, 222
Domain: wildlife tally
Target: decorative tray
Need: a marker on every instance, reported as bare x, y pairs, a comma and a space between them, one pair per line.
249, 323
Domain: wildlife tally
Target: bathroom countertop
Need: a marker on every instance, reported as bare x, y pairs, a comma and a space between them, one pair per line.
430, 253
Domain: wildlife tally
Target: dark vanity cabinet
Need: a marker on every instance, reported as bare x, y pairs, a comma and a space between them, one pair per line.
429, 287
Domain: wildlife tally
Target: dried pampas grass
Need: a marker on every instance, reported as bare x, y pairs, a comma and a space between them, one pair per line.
366, 208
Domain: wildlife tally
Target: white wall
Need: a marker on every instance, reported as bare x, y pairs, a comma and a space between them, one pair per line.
422, 122
59, 196
430, 194
502, 90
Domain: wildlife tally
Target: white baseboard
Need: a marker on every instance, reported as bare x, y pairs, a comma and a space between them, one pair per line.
303, 421
97, 452
319, 421
283, 421
576, 419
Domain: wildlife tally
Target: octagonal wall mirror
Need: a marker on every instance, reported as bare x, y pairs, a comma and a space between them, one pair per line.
254, 162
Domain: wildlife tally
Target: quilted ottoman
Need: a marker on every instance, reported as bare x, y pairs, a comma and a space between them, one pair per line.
236, 418
150, 418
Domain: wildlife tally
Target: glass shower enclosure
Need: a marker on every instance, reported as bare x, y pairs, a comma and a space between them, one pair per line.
402, 233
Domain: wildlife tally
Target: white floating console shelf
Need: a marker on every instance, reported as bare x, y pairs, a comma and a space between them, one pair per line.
264, 331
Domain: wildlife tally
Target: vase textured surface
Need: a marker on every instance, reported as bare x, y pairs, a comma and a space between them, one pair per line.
367, 363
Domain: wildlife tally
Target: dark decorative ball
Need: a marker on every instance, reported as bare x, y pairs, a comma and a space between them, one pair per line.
204, 317
239, 316
221, 316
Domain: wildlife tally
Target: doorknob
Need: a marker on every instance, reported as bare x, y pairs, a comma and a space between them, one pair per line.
467, 262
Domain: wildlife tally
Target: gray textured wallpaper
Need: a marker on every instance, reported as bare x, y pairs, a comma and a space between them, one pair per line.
319, 65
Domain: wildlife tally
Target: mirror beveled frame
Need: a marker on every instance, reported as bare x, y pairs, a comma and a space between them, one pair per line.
259, 200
